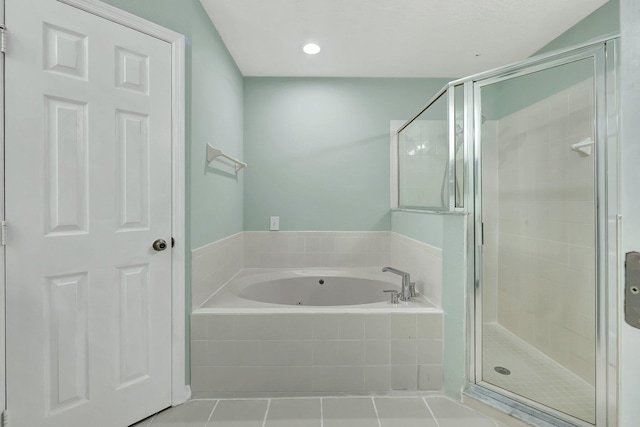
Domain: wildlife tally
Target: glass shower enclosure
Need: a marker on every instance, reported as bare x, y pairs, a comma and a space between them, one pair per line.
544, 222
528, 153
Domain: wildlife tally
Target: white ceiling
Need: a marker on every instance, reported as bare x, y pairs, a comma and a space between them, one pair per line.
389, 38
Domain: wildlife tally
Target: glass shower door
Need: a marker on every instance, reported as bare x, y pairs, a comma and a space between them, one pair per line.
537, 260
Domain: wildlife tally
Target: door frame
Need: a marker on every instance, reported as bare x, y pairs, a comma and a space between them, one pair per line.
180, 392
608, 271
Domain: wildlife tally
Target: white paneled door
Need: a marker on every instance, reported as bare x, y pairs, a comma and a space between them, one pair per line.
88, 191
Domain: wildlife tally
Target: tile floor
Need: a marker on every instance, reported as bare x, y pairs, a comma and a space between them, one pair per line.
534, 375
429, 411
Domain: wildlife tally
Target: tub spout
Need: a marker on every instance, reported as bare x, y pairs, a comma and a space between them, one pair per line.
405, 295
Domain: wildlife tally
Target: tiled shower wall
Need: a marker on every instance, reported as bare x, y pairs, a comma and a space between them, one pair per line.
543, 202
215, 264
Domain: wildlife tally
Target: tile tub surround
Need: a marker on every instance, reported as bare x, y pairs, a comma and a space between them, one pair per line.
304, 249
246, 355
215, 264
429, 411
423, 261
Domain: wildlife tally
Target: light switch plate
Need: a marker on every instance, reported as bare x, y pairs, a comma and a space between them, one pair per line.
274, 223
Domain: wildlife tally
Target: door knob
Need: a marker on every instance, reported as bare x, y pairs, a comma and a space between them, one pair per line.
159, 245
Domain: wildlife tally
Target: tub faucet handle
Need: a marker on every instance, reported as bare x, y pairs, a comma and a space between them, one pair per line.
412, 289
394, 295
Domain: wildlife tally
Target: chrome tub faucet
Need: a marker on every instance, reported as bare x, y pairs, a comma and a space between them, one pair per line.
407, 291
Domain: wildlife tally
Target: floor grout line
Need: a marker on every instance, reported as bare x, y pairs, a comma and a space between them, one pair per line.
375, 409
424, 399
215, 405
266, 414
321, 412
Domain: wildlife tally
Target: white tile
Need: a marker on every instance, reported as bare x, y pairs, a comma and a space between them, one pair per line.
199, 353
453, 414
404, 412
347, 244
312, 244
200, 379
299, 326
234, 413
404, 377
403, 326
351, 326
376, 326
289, 379
429, 325
220, 326
328, 244
429, 352
286, 353
430, 377
260, 327
403, 352
353, 412
221, 353
338, 353
190, 414
294, 413
325, 327
248, 353
377, 378
338, 379
377, 352
198, 327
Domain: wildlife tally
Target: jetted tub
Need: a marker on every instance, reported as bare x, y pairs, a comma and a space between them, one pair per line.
309, 332
280, 290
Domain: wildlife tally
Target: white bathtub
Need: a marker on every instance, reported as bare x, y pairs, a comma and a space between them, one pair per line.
316, 290
308, 332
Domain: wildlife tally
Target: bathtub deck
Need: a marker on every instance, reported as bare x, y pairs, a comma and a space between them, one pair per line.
227, 301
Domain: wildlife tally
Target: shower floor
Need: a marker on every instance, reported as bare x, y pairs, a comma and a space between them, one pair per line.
534, 375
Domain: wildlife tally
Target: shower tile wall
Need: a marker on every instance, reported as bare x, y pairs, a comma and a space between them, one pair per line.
291, 354
543, 288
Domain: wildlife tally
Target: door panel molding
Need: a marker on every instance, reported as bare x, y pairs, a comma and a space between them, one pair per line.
180, 392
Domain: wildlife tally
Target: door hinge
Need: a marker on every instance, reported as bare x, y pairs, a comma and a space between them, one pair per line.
481, 233
3, 233
5, 419
3, 39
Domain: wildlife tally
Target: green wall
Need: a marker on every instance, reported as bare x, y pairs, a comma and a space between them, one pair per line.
318, 149
214, 113
426, 228
454, 285
602, 22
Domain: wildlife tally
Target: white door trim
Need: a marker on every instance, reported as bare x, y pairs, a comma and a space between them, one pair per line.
180, 392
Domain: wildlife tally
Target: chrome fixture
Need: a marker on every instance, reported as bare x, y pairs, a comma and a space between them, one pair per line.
394, 295
406, 293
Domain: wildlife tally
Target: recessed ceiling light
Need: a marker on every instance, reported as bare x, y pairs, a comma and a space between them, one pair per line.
311, 48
